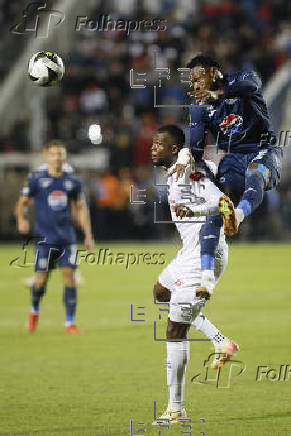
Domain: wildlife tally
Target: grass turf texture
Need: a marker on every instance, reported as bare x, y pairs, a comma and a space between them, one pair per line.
93, 384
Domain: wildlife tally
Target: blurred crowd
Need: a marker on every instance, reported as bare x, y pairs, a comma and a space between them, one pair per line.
96, 87
250, 34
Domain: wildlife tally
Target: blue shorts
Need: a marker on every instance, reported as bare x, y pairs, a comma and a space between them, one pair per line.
232, 168
48, 256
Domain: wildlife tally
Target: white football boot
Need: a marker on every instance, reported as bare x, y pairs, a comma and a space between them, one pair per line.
171, 416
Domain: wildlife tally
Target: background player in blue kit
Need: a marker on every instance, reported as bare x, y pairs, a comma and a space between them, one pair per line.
54, 192
231, 108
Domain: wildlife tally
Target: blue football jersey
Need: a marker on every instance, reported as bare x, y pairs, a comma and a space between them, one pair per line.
239, 122
52, 195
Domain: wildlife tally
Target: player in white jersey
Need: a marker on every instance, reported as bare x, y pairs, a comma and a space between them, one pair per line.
190, 197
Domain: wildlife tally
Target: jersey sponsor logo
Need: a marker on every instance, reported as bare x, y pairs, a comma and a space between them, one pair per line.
58, 200
231, 124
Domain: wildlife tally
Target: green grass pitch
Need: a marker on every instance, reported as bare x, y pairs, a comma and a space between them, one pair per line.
93, 384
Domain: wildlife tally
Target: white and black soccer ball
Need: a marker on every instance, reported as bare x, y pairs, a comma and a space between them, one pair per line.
45, 68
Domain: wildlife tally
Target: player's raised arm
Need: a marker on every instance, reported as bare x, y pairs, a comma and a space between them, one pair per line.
197, 141
197, 131
211, 206
245, 83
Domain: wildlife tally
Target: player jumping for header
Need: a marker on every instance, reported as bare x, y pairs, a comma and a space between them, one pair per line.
231, 107
54, 192
180, 281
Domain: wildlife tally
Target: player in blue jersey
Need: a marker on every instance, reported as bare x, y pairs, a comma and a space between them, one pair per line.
231, 108
55, 192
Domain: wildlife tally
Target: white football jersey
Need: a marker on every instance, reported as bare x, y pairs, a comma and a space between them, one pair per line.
186, 191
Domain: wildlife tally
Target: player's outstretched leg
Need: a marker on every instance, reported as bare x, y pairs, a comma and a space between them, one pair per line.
37, 292
224, 348
178, 355
70, 300
256, 181
263, 173
209, 239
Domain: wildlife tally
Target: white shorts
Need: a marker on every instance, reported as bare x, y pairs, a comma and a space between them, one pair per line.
182, 277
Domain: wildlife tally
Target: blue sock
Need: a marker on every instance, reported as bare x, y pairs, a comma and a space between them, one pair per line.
253, 194
36, 296
70, 301
209, 238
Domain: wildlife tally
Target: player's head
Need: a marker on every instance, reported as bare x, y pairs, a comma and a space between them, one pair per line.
167, 142
55, 154
205, 72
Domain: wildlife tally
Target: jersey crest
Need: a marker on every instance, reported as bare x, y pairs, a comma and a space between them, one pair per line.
45, 182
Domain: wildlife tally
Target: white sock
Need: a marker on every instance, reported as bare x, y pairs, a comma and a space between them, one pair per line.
202, 324
178, 356
208, 280
239, 215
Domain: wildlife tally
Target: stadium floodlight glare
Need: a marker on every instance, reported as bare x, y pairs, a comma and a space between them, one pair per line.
94, 133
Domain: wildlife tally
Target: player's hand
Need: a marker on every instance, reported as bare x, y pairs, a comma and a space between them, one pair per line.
89, 243
204, 95
23, 226
179, 169
182, 211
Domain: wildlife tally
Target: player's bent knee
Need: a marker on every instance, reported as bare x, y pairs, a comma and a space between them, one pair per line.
177, 330
161, 293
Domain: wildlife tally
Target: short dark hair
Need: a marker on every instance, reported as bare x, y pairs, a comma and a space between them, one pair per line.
176, 132
54, 143
204, 61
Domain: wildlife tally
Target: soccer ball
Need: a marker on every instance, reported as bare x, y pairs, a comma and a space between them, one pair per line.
45, 68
